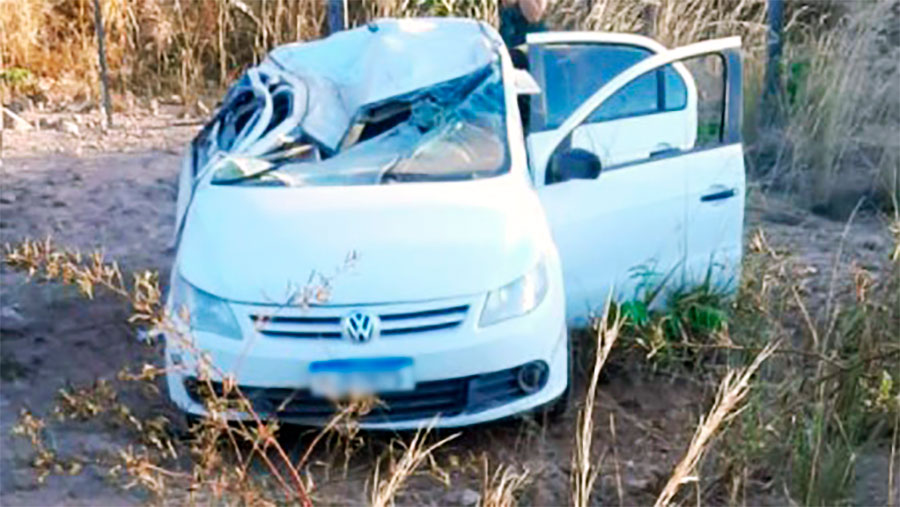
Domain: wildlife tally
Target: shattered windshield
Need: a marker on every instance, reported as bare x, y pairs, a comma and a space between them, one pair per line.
268, 131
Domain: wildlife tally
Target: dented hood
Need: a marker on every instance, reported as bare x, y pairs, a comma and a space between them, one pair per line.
413, 242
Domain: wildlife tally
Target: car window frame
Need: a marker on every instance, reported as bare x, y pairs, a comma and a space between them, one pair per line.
730, 50
538, 117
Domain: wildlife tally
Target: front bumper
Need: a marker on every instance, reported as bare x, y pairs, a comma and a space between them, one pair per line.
464, 374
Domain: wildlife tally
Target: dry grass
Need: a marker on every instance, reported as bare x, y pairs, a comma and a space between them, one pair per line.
146, 465
805, 433
154, 46
584, 472
842, 108
829, 393
500, 488
186, 46
731, 393
672, 22
414, 454
191, 46
825, 399
840, 71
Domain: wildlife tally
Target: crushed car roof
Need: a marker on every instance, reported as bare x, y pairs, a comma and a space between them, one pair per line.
396, 100
383, 59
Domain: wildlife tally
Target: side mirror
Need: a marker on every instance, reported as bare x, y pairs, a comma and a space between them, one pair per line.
573, 164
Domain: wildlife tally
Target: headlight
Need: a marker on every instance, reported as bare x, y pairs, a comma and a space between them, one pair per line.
205, 312
516, 298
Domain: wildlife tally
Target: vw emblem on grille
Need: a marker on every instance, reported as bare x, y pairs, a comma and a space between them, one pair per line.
360, 327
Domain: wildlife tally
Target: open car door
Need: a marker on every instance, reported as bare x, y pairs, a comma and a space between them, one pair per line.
637, 216
654, 112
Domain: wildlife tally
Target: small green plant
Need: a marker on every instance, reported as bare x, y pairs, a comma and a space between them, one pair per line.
14, 76
699, 313
17, 80
690, 320
797, 80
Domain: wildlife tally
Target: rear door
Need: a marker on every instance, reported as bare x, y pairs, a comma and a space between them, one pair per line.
635, 231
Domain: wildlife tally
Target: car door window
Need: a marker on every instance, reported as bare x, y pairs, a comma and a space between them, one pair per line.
573, 72
659, 91
649, 114
709, 74
676, 93
639, 97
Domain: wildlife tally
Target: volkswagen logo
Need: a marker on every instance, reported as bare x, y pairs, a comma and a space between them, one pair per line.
360, 327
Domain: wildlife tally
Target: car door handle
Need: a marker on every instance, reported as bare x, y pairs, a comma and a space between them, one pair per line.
718, 195
663, 152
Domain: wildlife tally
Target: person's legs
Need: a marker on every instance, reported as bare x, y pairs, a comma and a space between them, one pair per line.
518, 57
520, 61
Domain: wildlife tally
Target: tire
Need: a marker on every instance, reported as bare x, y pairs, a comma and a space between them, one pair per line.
191, 420
186, 431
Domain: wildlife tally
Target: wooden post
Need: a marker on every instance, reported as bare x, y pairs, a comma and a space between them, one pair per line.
337, 16
648, 16
772, 87
101, 55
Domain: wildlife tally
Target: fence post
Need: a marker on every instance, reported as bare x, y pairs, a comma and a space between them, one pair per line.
337, 15
648, 16
772, 87
101, 55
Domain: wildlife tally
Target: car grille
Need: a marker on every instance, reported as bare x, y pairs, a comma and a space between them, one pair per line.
494, 389
445, 398
309, 324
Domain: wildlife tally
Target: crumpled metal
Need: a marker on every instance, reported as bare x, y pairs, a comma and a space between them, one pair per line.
397, 100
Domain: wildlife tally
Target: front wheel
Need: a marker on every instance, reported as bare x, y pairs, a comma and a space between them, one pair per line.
192, 421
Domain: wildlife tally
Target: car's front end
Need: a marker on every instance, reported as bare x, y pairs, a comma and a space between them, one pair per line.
406, 257
464, 368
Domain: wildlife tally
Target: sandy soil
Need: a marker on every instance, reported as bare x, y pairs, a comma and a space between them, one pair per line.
116, 190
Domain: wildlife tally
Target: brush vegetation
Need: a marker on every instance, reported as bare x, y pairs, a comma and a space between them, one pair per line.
829, 136
828, 394
800, 382
796, 394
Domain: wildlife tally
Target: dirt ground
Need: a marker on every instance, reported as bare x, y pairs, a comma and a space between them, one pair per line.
116, 190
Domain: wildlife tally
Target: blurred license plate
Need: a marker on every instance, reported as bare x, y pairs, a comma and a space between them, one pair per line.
340, 378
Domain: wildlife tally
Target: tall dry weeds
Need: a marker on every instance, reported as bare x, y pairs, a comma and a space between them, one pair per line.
672, 22
160, 46
829, 394
842, 106
500, 488
414, 453
224, 450
733, 389
219, 474
584, 471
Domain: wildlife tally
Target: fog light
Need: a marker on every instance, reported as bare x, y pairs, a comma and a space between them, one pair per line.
532, 376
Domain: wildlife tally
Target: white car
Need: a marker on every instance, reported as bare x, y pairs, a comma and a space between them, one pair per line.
372, 213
